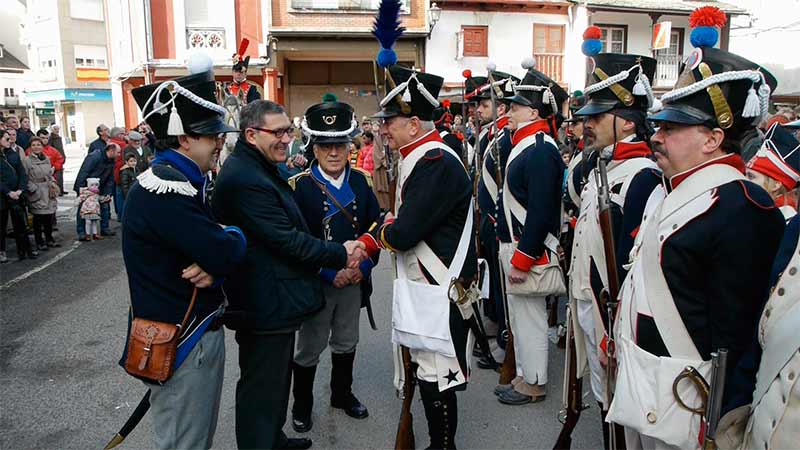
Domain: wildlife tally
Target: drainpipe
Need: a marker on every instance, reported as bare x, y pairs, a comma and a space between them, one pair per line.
148, 39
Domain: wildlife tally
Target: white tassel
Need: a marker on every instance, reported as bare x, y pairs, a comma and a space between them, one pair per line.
509, 86
175, 127
656, 106
407, 95
638, 88
752, 106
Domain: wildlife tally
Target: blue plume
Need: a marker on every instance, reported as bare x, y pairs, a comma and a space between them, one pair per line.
386, 27
591, 47
386, 57
704, 37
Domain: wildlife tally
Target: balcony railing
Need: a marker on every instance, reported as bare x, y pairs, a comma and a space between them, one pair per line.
344, 5
667, 67
551, 64
205, 37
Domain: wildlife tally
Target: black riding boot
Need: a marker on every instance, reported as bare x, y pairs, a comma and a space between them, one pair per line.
303, 392
341, 386
441, 410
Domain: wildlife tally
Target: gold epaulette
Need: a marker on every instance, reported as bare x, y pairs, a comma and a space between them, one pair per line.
365, 173
293, 179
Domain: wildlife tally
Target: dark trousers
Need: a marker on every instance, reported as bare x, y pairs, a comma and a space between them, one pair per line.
262, 392
43, 228
59, 175
20, 230
493, 308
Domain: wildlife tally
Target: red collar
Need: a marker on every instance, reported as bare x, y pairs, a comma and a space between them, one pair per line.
580, 143
529, 130
432, 135
731, 159
630, 150
502, 122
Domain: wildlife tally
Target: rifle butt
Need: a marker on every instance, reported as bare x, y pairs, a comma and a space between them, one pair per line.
564, 442
509, 369
405, 433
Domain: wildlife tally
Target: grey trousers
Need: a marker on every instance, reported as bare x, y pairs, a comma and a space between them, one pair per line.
185, 408
336, 324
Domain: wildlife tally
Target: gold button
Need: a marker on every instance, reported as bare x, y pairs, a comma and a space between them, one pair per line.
651, 417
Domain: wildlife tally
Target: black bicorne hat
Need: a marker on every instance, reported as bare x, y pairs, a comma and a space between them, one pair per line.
539, 91
185, 105
717, 88
241, 62
619, 81
329, 123
410, 93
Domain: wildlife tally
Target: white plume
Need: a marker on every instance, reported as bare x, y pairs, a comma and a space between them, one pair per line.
199, 62
491, 67
529, 63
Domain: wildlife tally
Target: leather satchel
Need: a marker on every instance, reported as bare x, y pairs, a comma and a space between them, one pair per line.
152, 346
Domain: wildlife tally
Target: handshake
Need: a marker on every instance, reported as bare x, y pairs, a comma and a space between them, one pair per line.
356, 253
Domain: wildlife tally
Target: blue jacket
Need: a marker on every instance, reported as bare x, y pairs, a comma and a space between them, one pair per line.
96, 165
97, 144
277, 286
167, 228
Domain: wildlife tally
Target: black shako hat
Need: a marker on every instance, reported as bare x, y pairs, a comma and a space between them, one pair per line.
501, 83
619, 81
329, 123
410, 93
185, 105
576, 101
539, 91
717, 88
472, 87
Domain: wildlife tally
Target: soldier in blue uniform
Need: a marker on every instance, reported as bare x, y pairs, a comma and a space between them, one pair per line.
531, 203
171, 244
431, 236
702, 255
338, 205
495, 141
615, 129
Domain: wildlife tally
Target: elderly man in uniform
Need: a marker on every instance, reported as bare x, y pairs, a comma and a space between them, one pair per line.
172, 245
702, 255
431, 235
531, 203
338, 205
615, 129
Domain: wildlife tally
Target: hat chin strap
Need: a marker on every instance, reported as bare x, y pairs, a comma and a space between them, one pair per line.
309, 132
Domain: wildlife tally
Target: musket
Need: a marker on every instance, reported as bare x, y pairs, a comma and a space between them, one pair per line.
608, 295
130, 424
573, 392
509, 369
405, 428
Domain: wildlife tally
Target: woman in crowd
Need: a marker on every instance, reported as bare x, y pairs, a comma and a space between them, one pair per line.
13, 184
42, 193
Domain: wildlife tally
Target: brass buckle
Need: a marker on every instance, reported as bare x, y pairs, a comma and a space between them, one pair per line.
622, 94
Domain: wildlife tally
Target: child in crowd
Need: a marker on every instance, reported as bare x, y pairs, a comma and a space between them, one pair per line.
90, 200
128, 173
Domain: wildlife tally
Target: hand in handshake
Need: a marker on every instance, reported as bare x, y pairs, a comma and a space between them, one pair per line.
346, 277
356, 253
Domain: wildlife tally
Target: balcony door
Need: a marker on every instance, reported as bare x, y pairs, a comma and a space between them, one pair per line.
669, 60
548, 49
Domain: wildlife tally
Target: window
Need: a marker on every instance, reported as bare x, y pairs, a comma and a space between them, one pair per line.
476, 40
86, 9
548, 49
9, 92
47, 63
93, 56
614, 38
675, 44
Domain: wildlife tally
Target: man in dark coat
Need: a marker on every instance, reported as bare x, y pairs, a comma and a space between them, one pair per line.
278, 285
102, 139
100, 165
175, 251
13, 185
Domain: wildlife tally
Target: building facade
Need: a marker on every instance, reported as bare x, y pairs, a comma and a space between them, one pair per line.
66, 41
13, 74
151, 40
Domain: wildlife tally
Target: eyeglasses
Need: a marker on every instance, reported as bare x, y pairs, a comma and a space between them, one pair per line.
279, 133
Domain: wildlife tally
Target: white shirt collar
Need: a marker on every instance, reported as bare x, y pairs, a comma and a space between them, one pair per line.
336, 182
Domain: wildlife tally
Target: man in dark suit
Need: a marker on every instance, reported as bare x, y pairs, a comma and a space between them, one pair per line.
278, 285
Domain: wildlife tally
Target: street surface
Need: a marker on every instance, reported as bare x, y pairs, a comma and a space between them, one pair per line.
62, 329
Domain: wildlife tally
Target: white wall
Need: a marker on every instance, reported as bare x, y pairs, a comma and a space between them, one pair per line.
510, 41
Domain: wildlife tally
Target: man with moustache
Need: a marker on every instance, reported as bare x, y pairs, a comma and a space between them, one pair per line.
492, 222
702, 255
277, 287
431, 235
532, 206
616, 130
338, 205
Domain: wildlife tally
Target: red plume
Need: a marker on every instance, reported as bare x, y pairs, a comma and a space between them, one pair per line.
707, 16
593, 32
446, 103
467, 73
243, 46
